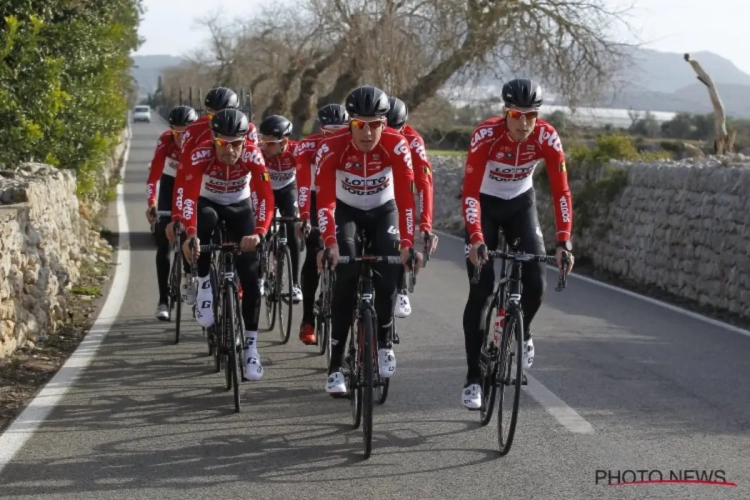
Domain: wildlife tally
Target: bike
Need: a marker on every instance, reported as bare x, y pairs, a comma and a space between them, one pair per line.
277, 289
502, 346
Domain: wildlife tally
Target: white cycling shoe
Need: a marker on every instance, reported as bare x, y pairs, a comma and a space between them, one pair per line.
253, 367
336, 384
296, 294
386, 362
204, 313
471, 397
403, 306
187, 289
528, 353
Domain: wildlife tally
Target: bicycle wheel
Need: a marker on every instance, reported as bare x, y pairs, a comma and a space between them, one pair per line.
355, 387
214, 332
227, 337
175, 297
233, 334
368, 379
488, 364
511, 350
284, 293
269, 285
382, 390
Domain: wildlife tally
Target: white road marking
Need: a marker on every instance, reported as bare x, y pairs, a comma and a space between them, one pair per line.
665, 305
23, 427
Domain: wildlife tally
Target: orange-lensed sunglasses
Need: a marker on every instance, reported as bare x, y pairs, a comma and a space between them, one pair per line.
234, 143
361, 124
514, 113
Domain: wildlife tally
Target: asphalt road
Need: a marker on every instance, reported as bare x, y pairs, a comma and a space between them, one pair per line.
618, 383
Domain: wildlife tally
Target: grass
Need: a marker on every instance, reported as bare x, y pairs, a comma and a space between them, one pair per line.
92, 290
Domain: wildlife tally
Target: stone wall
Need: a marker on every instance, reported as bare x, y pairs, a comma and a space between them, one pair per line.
683, 227
43, 242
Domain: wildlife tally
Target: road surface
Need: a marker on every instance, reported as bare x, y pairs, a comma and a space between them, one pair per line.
618, 383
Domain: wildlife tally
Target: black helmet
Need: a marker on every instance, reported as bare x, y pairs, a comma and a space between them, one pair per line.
276, 126
523, 93
182, 115
398, 113
367, 101
333, 114
221, 98
230, 122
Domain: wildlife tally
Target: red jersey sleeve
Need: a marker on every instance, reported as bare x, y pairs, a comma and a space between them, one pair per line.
252, 134
423, 180
260, 189
325, 180
476, 163
403, 187
554, 160
304, 153
190, 188
157, 167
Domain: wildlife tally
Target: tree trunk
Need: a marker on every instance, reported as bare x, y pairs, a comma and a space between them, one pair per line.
345, 83
280, 102
723, 143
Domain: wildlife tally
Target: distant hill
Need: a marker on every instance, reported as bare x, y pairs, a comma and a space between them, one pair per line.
147, 69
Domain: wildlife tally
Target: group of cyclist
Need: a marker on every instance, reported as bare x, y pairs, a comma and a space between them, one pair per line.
360, 173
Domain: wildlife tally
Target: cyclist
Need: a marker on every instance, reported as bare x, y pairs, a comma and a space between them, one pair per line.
365, 180
397, 116
216, 99
332, 118
278, 152
162, 171
498, 193
224, 174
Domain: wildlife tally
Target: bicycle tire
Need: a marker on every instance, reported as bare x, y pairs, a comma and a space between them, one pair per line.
355, 387
488, 363
512, 335
269, 283
368, 351
227, 339
284, 293
213, 331
233, 330
382, 390
176, 296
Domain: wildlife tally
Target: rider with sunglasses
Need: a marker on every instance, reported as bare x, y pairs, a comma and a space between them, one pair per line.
226, 179
365, 180
498, 193
200, 130
332, 118
162, 171
423, 178
278, 151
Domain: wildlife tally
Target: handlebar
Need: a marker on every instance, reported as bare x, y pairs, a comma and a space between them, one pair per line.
286, 218
482, 252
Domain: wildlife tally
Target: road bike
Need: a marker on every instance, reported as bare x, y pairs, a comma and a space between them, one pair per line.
501, 356
175, 278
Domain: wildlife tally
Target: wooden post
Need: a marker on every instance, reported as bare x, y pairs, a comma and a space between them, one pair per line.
723, 142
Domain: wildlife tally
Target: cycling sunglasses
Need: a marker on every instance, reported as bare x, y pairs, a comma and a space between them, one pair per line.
361, 124
234, 143
514, 113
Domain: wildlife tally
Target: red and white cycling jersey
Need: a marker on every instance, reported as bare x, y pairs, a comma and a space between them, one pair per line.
422, 176
499, 166
195, 133
305, 155
252, 134
207, 177
165, 162
365, 180
282, 168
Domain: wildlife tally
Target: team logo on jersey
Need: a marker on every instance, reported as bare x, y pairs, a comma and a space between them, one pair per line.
265, 177
427, 171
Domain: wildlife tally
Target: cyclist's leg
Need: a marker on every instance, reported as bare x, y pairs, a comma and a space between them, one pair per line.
343, 299
310, 277
166, 183
523, 223
478, 295
240, 222
385, 241
208, 219
286, 200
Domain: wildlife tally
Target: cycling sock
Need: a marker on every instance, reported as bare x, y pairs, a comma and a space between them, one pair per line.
252, 341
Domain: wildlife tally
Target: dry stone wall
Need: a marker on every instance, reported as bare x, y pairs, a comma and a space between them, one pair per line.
43, 243
681, 226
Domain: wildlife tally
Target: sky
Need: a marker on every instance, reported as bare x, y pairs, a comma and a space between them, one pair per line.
169, 27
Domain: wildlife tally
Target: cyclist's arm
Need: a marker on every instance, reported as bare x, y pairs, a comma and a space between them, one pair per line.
325, 180
260, 184
476, 163
252, 134
554, 159
423, 180
178, 192
404, 189
304, 158
190, 190
155, 169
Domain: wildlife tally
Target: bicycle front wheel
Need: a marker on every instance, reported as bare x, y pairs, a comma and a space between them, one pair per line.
284, 293
510, 374
488, 364
233, 329
175, 296
269, 286
368, 378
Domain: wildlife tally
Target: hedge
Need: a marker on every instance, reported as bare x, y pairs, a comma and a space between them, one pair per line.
65, 81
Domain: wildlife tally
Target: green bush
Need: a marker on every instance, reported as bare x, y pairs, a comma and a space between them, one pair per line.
65, 82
